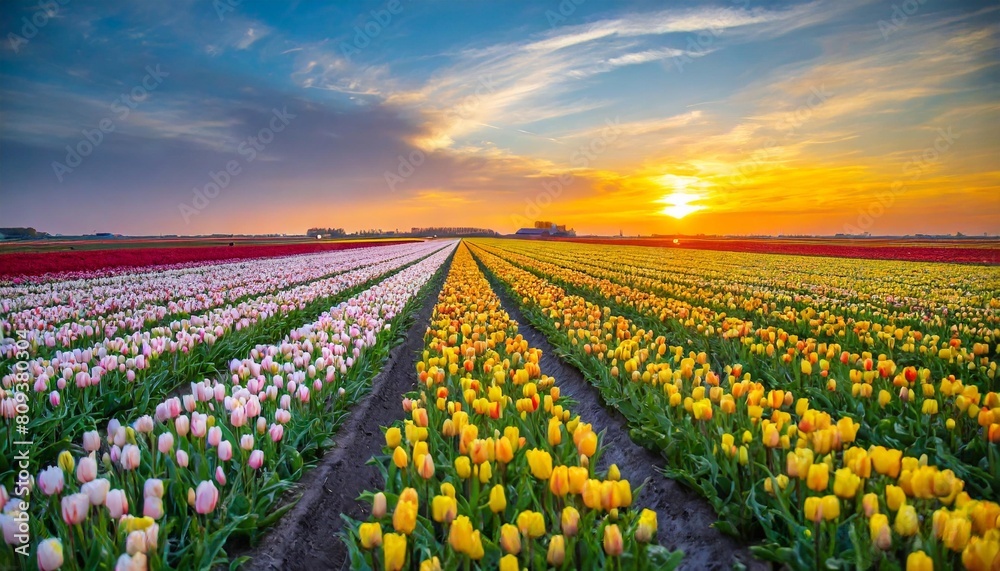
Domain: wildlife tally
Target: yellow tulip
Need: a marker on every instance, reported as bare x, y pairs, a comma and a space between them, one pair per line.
906, 523
846, 483
613, 473
559, 482
426, 467
531, 524
646, 529
870, 504
371, 535
393, 551
400, 458
956, 533
919, 561
577, 477
460, 534
485, 472
498, 499
570, 521
432, 564
613, 544
463, 466
393, 437
881, 534
895, 497
509, 563
557, 551
510, 539
404, 518
444, 509
818, 478
540, 463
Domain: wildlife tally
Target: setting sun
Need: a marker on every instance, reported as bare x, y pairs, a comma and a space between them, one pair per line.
680, 203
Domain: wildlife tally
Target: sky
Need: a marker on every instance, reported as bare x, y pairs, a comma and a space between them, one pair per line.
639, 117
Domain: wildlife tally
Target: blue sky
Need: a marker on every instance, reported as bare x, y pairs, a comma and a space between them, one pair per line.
741, 117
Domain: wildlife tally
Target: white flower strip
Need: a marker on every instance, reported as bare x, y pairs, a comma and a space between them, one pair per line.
64, 313
133, 354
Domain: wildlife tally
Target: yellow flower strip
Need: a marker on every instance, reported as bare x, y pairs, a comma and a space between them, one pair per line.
899, 404
490, 468
823, 323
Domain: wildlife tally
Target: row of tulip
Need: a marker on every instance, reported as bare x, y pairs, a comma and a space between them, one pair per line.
898, 336
770, 463
78, 390
923, 295
491, 468
168, 492
67, 314
936, 406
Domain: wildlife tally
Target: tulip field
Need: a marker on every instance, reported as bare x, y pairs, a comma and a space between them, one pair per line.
832, 412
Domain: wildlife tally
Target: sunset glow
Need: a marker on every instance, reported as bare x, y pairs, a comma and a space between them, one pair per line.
786, 117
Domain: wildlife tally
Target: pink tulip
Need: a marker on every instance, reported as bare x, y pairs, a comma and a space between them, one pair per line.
75, 508
256, 459
225, 450
144, 424
153, 487
91, 441
214, 436
261, 425
220, 476
277, 431
50, 554
116, 503
246, 442
198, 425
152, 537
50, 480
238, 417
136, 542
182, 459
97, 491
173, 407
54, 398
86, 470
165, 444
131, 563
182, 425
206, 496
190, 403
152, 507
131, 457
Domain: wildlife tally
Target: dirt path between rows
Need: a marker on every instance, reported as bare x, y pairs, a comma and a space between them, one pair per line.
306, 537
684, 517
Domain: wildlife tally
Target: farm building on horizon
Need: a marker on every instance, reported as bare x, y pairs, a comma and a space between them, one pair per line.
543, 229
